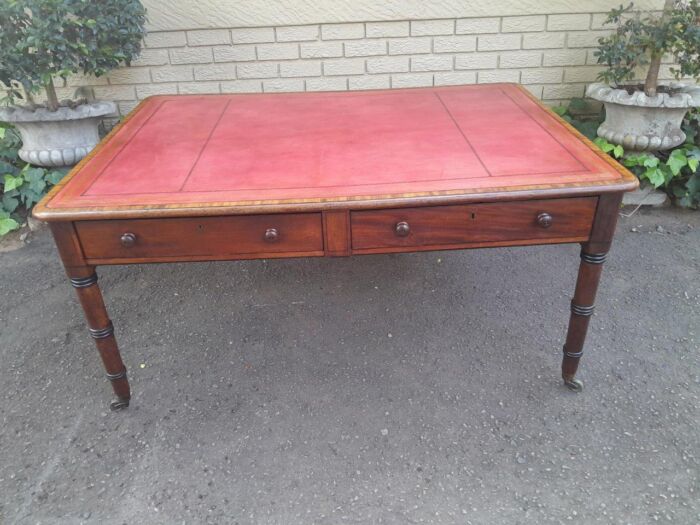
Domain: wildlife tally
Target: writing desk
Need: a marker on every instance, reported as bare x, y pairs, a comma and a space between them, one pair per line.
252, 176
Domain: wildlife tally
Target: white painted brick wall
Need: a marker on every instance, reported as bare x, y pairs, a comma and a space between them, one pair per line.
191, 55
432, 27
474, 26
349, 66
499, 42
407, 46
552, 55
476, 61
454, 44
365, 48
399, 64
342, 31
253, 35
208, 37
237, 53
297, 33
321, 50
387, 29
520, 24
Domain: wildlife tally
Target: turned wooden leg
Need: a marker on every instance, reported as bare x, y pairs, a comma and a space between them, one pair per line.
593, 255
582, 307
84, 280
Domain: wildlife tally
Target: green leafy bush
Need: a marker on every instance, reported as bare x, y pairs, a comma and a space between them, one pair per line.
642, 40
21, 185
44, 39
677, 171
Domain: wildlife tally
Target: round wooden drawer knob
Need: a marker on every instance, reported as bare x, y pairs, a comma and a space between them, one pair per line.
128, 240
544, 220
402, 229
271, 235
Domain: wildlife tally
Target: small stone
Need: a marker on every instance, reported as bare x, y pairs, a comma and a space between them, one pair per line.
660, 229
385, 432
24, 236
634, 230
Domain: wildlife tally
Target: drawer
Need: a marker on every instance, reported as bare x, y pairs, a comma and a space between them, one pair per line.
473, 223
205, 237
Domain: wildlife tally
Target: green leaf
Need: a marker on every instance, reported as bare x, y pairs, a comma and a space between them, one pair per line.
559, 110
677, 161
648, 160
30, 197
618, 151
7, 225
54, 177
9, 202
35, 177
693, 185
12, 183
2, 133
632, 160
588, 128
655, 176
693, 164
604, 144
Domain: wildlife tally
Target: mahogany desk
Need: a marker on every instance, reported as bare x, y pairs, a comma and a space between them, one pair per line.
223, 177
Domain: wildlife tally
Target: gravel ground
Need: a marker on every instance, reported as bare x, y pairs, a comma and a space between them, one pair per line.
418, 388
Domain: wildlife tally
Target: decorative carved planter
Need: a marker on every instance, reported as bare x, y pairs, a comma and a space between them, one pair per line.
57, 138
641, 123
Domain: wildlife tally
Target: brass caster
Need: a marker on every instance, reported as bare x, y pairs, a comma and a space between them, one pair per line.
575, 385
119, 404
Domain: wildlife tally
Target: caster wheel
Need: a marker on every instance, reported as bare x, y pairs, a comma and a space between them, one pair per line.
575, 385
119, 404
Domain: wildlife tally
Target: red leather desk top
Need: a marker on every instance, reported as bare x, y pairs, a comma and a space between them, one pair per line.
223, 150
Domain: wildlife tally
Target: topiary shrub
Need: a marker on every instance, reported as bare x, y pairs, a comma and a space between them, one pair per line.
641, 41
44, 39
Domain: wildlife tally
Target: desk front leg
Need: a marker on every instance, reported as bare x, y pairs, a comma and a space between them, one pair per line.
84, 279
593, 255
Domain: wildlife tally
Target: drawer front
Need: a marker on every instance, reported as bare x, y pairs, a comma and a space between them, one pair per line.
473, 223
206, 237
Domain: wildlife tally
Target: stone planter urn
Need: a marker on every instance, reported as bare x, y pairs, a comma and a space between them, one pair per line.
57, 138
641, 123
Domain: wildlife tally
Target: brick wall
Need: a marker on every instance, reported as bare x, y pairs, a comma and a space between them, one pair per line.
552, 55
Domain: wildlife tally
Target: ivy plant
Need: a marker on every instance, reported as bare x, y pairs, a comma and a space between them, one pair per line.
677, 171
642, 40
21, 185
678, 174
41, 40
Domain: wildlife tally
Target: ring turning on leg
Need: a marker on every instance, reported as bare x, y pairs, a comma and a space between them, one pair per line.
582, 307
84, 279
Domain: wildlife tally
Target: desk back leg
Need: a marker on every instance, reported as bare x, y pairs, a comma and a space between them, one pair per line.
84, 279
593, 255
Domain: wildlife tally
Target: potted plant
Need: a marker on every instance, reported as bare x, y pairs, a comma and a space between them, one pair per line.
648, 116
42, 41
